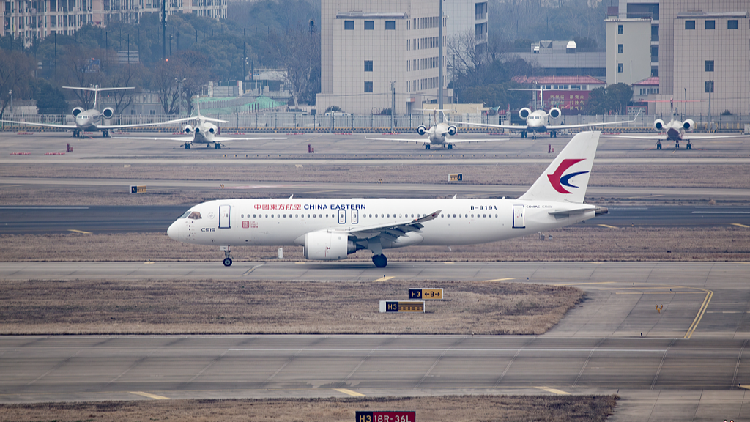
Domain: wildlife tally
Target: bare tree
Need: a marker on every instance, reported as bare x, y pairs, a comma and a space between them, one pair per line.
15, 74
78, 68
299, 52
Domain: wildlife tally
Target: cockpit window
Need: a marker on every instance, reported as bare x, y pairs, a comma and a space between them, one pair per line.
185, 214
195, 215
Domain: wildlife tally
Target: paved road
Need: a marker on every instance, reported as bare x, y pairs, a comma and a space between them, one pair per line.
156, 218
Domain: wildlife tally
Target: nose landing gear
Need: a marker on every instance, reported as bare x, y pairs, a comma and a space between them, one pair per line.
228, 256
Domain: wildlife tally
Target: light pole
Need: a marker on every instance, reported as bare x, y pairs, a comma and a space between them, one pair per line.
11, 101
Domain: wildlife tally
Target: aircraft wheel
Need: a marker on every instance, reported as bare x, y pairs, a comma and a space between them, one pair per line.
427, 146
187, 146
676, 146
380, 261
450, 146
688, 146
227, 262
217, 146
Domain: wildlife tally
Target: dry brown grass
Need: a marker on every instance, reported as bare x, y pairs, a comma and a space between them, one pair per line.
242, 307
589, 243
450, 408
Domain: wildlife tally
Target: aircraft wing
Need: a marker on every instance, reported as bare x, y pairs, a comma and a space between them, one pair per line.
385, 138
189, 138
41, 124
455, 140
511, 127
393, 230
663, 136
227, 139
169, 122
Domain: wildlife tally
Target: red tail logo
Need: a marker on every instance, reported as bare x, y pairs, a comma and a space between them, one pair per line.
558, 180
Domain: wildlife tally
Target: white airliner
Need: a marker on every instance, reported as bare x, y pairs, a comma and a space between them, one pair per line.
539, 121
89, 120
203, 131
438, 135
330, 229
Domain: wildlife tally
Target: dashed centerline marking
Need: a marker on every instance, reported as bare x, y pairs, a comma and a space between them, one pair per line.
149, 395
579, 284
349, 392
553, 390
384, 278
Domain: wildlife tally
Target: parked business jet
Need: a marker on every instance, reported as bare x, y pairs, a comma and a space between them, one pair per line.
438, 135
330, 229
202, 131
89, 120
539, 121
675, 130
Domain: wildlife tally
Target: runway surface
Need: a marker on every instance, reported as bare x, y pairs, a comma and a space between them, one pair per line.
156, 218
684, 363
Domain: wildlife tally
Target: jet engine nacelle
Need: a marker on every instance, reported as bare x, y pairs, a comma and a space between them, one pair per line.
108, 112
188, 129
212, 129
421, 130
659, 124
688, 124
77, 111
555, 113
524, 113
452, 130
327, 246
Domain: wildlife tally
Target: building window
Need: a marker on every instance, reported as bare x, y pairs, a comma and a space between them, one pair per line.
619, 29
619, 67
689, 24
709, 86
349, 25
733, 24
654, 32
710, 24
368, 86
368, 65
709, 65
390, 25
619, 48
369, 25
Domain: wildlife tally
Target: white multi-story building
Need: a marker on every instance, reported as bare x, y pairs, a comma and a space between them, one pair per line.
37, 19
467, 17
628, 44
368, 46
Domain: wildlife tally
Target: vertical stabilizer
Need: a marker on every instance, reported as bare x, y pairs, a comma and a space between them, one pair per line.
567, 178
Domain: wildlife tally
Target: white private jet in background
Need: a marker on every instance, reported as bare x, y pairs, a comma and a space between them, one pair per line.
438, 135
330, 229
203, 131
89, 120
539, 121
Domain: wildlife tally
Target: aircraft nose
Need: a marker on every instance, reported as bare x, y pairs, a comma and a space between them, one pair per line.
176, 231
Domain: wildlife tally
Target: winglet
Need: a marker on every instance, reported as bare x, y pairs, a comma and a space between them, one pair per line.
428, 217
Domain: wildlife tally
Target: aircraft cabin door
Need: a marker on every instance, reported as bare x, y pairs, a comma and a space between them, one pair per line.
518, 217
224, 213
355, 216
342, 216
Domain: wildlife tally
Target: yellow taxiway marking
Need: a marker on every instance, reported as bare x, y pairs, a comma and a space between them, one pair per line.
501, 279
349, 392
747, 387
607, 226
553, 390
78, 231
701, 312
448, 263
148, 262
384, 278
578, 284
149, 395
740, 225
301, 263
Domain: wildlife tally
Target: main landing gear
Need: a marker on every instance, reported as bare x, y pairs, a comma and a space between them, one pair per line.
553, 134
427, 146
187, 145
379, 260
76, 133
658, 144
105, 133
524, 134
228, 257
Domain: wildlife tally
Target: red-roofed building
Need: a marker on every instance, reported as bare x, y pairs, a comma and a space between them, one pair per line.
568, 93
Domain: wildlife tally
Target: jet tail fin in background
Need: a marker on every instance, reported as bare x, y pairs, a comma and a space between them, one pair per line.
567, 178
